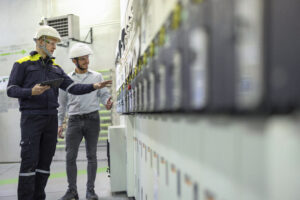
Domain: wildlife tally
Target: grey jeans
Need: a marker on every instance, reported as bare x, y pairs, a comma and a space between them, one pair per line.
87, 126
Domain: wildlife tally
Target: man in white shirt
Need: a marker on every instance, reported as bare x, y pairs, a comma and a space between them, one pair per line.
83, 121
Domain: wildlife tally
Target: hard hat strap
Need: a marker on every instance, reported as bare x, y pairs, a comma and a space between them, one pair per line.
44, 47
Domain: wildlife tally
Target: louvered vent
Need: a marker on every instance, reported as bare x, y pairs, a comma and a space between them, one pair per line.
67, 26
61, 25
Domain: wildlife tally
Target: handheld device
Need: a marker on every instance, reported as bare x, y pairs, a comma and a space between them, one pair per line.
54, 83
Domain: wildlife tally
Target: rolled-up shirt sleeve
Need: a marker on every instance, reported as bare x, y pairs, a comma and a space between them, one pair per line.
103, 93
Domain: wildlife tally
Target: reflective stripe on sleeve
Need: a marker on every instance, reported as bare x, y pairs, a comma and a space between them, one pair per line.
11, 86
67, 90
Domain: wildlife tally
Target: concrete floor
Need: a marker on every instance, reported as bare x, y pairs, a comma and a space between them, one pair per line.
57, 183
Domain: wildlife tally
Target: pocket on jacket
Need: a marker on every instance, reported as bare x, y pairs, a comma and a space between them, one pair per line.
54, 73
34, 74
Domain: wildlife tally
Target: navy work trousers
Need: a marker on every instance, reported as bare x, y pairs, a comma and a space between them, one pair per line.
38, 143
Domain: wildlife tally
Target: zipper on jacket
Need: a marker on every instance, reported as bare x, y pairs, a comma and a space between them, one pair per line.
45, 78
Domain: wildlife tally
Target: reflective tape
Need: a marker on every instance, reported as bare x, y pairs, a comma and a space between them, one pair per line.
42, 171
11, 86
69, 87
27, 174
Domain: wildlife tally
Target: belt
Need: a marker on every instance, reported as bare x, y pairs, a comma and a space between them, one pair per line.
84, 116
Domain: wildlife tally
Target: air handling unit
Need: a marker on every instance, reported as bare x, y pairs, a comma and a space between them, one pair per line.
66, 25
68, 28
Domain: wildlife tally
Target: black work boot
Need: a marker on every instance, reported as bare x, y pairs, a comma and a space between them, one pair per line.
70, 195
91, 195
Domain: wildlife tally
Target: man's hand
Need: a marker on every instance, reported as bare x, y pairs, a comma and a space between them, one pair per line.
109, 104
102, 84
38, 89
60, 132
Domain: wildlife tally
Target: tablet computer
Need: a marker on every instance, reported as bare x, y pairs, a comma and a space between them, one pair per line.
53, 83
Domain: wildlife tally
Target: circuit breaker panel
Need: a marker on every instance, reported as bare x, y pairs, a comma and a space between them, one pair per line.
211, 56
282, 59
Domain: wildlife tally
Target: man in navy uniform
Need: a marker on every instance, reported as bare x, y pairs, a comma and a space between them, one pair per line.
38, 107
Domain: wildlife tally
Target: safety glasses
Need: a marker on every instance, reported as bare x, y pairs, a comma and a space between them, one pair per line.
50, 42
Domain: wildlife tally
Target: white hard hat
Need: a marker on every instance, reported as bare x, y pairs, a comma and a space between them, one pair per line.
80, 49
47, 31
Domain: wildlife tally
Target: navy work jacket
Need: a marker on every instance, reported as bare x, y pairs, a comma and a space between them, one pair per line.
32, 70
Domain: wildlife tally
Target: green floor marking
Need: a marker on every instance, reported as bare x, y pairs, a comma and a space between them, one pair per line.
54, 175
8, 181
